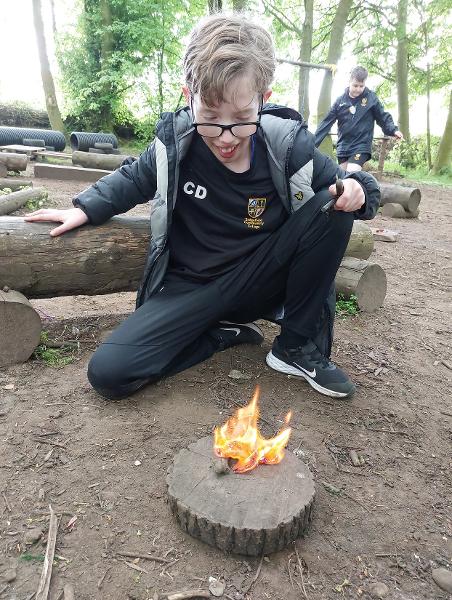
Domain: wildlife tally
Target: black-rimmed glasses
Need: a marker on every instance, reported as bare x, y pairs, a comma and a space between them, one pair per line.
239, 130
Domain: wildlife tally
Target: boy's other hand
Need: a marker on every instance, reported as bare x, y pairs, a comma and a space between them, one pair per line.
352, 197
70, 217
398, 134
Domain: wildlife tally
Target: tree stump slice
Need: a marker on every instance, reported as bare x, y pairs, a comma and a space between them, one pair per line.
367, 281
254, 513
21, 328
361, 242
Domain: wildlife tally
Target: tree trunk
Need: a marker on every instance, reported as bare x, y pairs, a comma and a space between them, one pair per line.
215, 6
11, 202
334, 54
305, 56
402, 69
106, 49
443, 156
53, 111
238, 5
367, 281
89, 260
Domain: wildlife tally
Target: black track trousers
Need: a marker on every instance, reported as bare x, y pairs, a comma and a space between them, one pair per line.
294, 268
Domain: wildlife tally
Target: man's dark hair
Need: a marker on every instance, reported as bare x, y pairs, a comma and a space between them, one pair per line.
359, 74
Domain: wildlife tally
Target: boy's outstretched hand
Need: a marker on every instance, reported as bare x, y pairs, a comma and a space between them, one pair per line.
70, 217
398, 134
352, 197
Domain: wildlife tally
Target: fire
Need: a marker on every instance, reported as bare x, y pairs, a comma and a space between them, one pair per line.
240, 439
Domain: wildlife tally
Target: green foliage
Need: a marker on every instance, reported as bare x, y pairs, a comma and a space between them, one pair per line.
36, 203
32, 557
53, 357
346, 307
413, 154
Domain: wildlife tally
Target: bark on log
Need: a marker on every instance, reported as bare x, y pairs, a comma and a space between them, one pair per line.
361, 243
97, 161
254, 513
68, 173
15, 183
11, 202
396, 211
367, 281
407, 197
14, 161
90, 260
20, 326
3, 170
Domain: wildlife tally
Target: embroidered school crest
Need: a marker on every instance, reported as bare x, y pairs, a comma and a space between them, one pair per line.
299, 195
256, 207
363, 101
357, 156
352, 109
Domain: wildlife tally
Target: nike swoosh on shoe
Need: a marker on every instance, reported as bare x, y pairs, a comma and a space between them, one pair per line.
236, 329
312, 373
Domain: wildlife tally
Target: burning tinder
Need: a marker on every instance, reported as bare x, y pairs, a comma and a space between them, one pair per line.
240, 439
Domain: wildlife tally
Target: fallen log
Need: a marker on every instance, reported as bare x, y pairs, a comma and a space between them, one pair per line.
21, 328
68, 173
11, 202
407, 197
14, 161
361, 243
15, 183
89, 260
396, 211
365, 280
97, 161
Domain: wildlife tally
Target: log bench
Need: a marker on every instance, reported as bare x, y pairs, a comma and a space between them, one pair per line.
110, 258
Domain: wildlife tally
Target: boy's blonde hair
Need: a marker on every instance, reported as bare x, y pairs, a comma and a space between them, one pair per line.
223, 47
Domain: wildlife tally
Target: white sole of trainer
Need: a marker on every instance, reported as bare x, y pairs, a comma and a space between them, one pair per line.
282, 367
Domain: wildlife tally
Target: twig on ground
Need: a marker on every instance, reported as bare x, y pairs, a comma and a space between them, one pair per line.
300, 568
5, 587
255, 578
50, 442
145, 557
8, 507
393, 431
136, 567
101, 580
44, 583
290, 574
185, 595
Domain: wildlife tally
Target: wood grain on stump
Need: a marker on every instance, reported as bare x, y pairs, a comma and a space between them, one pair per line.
20, 328
254, 513
367, 281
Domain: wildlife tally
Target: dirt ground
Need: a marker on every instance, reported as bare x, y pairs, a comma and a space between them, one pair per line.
102, 465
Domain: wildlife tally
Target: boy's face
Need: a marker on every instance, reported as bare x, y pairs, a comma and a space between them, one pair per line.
240, 105
356, 88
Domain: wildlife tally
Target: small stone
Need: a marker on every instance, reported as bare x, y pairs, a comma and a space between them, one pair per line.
443, 579
137, 463
32, 536
378, 590
216, 587
41, 494
235, 374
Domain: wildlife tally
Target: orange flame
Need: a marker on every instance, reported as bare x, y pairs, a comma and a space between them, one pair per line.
240, 439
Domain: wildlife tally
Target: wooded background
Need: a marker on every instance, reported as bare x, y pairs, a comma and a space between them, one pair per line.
120, 67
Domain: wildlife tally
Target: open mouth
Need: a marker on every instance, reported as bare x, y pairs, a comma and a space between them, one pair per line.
227, 151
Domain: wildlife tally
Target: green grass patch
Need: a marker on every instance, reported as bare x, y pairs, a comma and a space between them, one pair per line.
345, 308
53, 357
32, 557
421, 174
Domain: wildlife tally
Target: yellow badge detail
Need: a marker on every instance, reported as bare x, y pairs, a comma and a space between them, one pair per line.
299, 195
363, 101
357, 156
256, 207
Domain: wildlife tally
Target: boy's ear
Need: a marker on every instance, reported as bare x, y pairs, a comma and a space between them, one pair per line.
266, 95
186, 93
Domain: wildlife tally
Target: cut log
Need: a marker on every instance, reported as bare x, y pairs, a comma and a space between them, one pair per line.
13, 161
11, 202
3, 170
365, 280
361, 243
68, 173
396, 211
407, 197
15, 183
97, 161
255, 513
90, 260
20, 326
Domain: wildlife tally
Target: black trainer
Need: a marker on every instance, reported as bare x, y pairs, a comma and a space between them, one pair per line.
307, 362
232, 334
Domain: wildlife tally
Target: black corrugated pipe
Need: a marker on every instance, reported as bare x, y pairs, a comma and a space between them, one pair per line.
80, 140
16, 135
